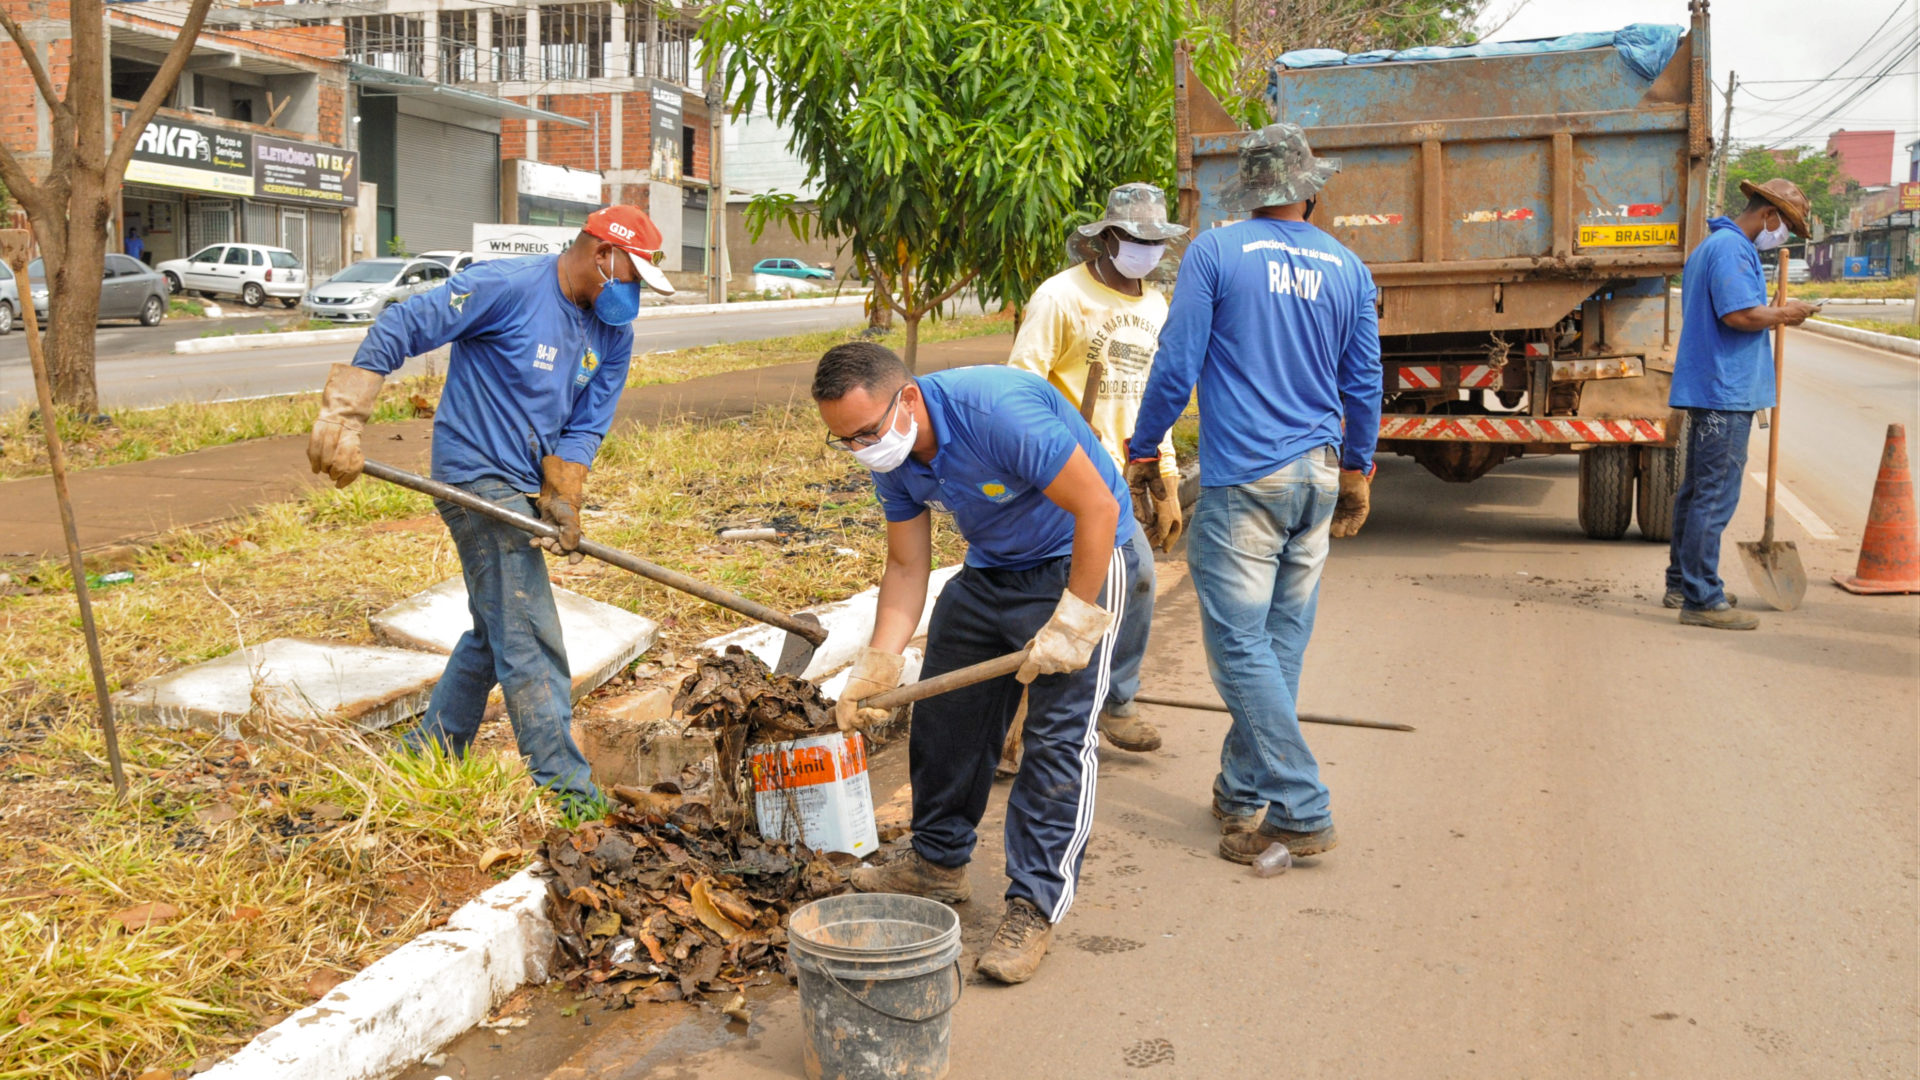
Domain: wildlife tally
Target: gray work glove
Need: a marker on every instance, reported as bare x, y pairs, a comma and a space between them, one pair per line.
874, 672
1067, 641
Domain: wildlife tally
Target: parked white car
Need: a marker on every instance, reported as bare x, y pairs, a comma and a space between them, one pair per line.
455, 261
364, 290
251, 272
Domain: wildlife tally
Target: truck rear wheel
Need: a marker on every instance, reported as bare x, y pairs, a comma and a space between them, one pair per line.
1606, 491
1661, 469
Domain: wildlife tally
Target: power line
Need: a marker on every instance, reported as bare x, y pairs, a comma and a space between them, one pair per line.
1830, 105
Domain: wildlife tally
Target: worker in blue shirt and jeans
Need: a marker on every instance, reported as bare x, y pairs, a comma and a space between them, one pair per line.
1276, 321
1722, 375
540, 353
1049, 568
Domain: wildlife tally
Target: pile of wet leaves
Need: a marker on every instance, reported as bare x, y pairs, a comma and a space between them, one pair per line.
736, 695
660, 901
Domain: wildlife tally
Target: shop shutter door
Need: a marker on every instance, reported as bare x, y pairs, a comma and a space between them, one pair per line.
209, 221
263, 224
324, 258
449, 178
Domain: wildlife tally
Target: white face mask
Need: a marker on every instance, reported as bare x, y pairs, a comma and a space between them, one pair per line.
893, 447
1136, 260
1771, 238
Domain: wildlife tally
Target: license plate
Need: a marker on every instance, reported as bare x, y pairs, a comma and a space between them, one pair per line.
1661, 235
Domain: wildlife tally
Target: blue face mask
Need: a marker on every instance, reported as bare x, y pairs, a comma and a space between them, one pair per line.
619, 301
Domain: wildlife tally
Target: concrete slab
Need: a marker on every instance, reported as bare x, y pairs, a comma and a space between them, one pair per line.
849, 626
289, 678
601, 639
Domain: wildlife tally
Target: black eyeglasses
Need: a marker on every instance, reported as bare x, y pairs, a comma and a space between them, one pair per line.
873, 434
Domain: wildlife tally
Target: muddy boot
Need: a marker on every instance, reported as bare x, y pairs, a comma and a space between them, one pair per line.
1245, 847
1018, 946
1122, 726
1678, 599
914, 875
1724, 617
1231, 822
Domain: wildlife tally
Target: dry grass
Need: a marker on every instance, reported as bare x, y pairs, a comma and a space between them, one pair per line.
344, 854
183, 427
1878, 326
1900, 288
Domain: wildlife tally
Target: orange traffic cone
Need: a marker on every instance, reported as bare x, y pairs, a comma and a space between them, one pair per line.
1890, 547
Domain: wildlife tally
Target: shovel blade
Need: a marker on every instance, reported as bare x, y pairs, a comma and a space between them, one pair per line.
1775, 570
796, 652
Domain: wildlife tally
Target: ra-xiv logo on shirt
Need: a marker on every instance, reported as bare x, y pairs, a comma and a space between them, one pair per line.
544, 356
589, 363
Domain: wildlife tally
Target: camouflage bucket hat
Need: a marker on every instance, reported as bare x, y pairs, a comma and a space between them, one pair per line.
1140, 211
1277, 167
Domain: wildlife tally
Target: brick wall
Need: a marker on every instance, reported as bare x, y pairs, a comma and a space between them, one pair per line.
17, 92
333, 114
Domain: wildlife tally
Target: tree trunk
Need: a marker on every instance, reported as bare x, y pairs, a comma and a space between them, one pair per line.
909, 354
74, 268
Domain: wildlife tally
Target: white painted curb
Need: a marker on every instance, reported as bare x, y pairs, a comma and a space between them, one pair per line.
244, 342
415, 999
661, 311
412, 1000
1889, 342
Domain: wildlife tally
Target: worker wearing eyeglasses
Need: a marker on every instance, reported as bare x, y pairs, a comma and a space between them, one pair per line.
1049, 568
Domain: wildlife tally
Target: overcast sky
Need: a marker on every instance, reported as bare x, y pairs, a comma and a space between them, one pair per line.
1821, 36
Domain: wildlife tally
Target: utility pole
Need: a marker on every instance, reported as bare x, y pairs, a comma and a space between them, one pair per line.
716, 185
1720, 155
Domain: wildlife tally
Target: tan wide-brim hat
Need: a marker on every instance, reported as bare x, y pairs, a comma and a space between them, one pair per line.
1786, 197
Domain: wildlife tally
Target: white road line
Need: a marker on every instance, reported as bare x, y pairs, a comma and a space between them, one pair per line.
1801, 512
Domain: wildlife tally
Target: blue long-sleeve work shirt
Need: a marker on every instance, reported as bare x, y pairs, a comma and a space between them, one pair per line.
531, 374
1276, 322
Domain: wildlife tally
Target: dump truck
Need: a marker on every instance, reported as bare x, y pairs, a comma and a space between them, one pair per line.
1522, 209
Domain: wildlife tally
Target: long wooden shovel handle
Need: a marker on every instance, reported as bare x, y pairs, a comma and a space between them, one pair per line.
813, 632
1779, 385
952, 680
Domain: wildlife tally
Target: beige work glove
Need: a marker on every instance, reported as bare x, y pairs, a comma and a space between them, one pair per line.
1147, 487
345, 404
562, 489
1066, 642
1350, 512
874, 672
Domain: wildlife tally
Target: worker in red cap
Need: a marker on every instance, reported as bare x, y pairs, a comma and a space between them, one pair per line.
540, 352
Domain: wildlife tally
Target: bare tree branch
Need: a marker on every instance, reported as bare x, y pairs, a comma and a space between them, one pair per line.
161, 86
22, 187
935, 303
32, 56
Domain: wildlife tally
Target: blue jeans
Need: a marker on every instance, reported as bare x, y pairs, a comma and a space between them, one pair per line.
1255, 553
1709, 492
515, 643
1130, 644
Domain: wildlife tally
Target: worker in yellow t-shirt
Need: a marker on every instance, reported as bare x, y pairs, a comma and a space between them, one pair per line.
1099, 321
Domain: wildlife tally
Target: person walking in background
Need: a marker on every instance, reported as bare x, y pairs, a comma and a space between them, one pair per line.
136, 247
1097, 320
1276, 321
1722, 375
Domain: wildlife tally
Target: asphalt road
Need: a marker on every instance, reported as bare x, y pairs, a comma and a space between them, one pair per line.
1615, 847
137, 368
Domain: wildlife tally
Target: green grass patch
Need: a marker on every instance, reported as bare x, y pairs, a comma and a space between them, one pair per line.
1901, 288
683, 364
189, 308
1878, 326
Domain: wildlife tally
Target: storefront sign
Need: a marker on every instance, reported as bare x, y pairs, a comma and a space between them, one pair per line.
1910, 196
305, 172
541, 180
493, 241
664, 122
180, 155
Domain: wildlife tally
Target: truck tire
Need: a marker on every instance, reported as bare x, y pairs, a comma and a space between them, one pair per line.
1606, 491
1661, 469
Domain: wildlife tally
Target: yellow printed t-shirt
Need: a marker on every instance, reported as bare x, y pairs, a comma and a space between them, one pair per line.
1073, 319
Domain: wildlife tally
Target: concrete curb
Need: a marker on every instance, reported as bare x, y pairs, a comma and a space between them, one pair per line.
1889, 342
244, 342
418, 997
413, 999
664, 311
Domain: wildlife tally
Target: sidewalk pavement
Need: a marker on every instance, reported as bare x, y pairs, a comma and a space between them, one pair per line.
122, 504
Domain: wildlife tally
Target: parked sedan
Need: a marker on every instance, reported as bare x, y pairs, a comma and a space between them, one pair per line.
251, 272
364, 290
455, 261
9, 299
129, 289
792, 268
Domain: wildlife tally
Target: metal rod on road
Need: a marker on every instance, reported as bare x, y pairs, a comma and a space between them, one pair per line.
13, 246
672, 579
1305, 718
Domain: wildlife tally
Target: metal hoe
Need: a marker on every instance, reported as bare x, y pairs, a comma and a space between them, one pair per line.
1774, 565
804, 632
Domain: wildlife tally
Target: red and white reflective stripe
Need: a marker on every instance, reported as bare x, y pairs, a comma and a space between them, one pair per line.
1521, 429
1539, 349
1420, 377
1478, 376
1351, 220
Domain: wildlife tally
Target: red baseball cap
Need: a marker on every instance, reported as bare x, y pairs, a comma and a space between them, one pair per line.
632, 231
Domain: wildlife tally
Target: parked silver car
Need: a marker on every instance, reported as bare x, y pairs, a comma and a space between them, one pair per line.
364, 290
129, 289
9, 299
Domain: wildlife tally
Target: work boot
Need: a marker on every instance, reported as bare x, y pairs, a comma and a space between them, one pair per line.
1678, 599
914, 875
1244, 847
1722, 617
1232, 821
1018, 946
1121, 724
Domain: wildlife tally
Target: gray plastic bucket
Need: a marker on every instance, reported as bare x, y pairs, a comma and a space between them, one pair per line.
879, 976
